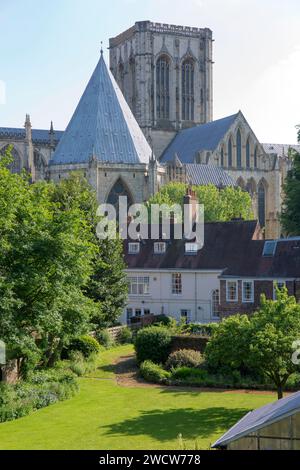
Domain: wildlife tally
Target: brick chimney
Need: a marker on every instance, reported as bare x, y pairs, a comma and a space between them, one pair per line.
190, 198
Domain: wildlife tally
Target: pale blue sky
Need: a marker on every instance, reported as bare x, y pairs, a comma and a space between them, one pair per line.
48, 50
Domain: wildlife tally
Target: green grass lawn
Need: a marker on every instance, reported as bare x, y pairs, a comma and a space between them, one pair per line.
106, 416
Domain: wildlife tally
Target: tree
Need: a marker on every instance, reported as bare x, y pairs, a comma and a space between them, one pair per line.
45, 263
262, 343
228, 347
274, 328
219, 204
107, 285
290, 217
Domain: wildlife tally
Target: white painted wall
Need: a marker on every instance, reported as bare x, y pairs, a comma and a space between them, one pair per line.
197, 287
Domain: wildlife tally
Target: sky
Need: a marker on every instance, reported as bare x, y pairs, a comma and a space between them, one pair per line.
48, 50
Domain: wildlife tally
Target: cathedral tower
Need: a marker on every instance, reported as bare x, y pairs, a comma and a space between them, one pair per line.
165, 74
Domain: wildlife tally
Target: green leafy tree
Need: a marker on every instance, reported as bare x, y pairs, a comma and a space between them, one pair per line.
107, 285
219, 204
228, 347
290, 217
262, 343
45, 263
274, 328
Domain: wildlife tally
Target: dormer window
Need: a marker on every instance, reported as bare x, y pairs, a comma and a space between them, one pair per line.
269, 248
133, 248
191, 248
159, 248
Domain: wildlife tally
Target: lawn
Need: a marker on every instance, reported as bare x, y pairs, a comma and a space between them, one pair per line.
104, 415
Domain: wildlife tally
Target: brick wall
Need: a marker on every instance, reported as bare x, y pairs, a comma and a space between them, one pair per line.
260, 287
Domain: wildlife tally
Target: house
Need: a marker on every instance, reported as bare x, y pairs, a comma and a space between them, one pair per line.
275, 426
227, 276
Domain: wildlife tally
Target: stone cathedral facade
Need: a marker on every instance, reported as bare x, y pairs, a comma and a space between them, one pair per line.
165, 74
148, 120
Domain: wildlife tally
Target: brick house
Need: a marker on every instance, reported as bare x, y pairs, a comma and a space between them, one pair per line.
227, 276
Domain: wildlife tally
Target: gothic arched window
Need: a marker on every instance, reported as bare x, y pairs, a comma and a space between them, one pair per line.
132, 81
238, 149
187, 90
163, 88
255, 157
119, 189
15, 166
262, 205
222, 156
121, 75
248, 153
230, 152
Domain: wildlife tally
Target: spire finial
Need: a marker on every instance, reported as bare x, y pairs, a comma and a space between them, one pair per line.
101, 50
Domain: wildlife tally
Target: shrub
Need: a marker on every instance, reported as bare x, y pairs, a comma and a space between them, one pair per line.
184, 357
80, 365
104, 338
206, 329
153, 372
43, 388
164, 320
87, 345
184, 373
125, 336
229, 344
153, 343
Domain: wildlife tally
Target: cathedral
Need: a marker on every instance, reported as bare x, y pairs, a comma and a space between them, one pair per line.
147, 120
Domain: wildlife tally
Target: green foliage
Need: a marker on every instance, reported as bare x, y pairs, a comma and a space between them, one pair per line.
207, 329
229, 345
261, 344
184, 357
125, 336
42, 389
164, 320
85, 344
290, 217
45, 261
153, 372
107, 285
104, 338
274, 328
189, 374
56, 279
81, 365
153, 343
219, 205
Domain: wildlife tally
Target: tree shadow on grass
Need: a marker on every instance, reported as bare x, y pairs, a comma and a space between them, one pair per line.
167, 424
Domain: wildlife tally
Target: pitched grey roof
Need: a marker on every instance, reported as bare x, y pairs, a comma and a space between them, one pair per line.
203, 137
280, 149
38, 135
260, 418
200, 174
102, 126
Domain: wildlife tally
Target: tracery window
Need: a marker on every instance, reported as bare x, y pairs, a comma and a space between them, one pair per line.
163, 88
238, 149
187, 90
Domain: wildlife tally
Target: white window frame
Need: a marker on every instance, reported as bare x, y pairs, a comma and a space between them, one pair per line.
236, 291
214, 293
251, 300
174, 284
142, 284
133, 248
191, 248
159, 248
275, 283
